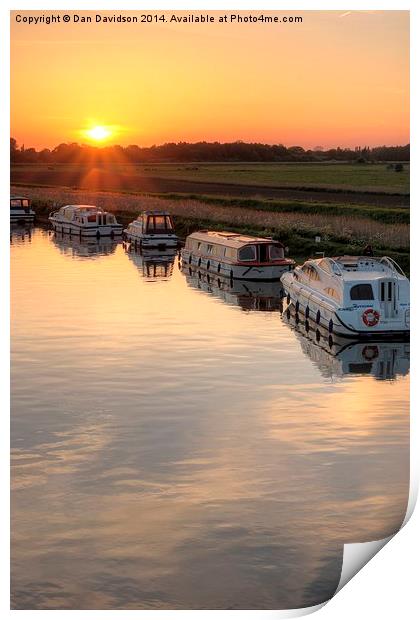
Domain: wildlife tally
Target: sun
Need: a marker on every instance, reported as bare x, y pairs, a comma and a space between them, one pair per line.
98, 133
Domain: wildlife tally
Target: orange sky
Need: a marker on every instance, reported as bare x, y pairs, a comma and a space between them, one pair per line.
340, 78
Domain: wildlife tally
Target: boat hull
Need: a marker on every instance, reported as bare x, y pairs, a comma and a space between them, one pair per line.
84, 230
268, 273
22, 216
152, 241
344, 322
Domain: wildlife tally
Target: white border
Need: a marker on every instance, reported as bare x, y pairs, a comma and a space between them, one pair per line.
387, 586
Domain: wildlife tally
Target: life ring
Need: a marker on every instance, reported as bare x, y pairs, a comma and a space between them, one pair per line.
370, 317
370, 352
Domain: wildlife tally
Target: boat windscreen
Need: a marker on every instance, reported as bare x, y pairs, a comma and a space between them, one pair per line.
276, 252
159, 224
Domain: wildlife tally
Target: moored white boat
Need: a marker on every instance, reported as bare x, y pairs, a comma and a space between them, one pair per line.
20, 210
85, 220
355, 296
236, 256
152, 229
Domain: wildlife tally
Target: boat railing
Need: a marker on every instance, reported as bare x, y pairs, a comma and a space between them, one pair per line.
392, 264
336, 268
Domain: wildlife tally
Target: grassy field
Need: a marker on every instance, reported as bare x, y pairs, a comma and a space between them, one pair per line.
351, 205
368, 177
377, 178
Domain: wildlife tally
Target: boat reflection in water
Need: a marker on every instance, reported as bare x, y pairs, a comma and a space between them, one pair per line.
85, 247
336, 356
153, 263
21, 232
249, 295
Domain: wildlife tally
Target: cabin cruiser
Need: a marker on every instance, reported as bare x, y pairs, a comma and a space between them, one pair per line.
152, 263
236, 256
85, 220
152, 229
354, 296
258, 295
20, 210
337, 356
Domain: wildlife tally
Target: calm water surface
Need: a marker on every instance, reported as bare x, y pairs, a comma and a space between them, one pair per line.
179, 446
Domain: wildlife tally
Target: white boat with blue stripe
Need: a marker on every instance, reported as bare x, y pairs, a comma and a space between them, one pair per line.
356, 296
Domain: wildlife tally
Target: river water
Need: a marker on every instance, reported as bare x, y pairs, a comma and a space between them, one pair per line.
180, 444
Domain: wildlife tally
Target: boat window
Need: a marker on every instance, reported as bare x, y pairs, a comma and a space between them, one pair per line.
387, 293
263, 253
15, 203
25, 203
360, 368
276, 252
361, 292
209, 248
110, 219
169, 223
91, 218
248, 253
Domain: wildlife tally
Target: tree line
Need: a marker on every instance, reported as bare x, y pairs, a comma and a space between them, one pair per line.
203, 152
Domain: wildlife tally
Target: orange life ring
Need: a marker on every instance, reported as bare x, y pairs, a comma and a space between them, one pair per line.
370, 352
370, 317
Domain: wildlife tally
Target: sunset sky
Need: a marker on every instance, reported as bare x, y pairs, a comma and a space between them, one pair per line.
337, 79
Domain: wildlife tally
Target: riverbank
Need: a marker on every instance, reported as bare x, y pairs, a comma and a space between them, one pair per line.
338, 234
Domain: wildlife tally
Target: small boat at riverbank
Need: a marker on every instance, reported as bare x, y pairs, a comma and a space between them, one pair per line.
85, 220
152, 229
20, 210
354, 296
236, 256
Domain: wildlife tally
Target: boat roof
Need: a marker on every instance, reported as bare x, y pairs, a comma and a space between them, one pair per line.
361, 267
19, 198
83, 207
156, 212
230, 239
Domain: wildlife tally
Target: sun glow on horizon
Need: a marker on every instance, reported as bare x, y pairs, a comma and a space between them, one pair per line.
214, 82
98, 133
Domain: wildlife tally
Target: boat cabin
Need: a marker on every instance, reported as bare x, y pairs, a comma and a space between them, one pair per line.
152, 223
86, 214
20, 210
20, 202
234, 247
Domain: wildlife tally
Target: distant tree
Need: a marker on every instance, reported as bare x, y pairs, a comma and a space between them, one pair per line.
14, 152
238, 151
